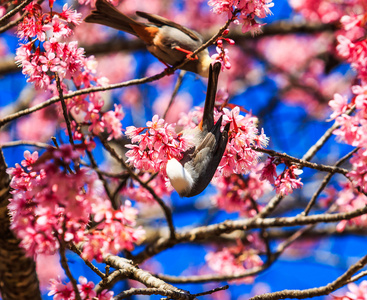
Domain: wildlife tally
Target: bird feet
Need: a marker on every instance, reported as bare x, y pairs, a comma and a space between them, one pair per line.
188, 52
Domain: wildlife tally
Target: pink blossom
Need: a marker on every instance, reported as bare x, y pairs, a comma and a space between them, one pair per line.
105, 295
359, 173
30, 159
112, 122
238, 194
237, 259
339, 105
322, 10
269, 171
157, 145
288, 181
245, 9
48, 266
222, 57
71, 16
2, 11
239, 156
86, 288
356, 292
140, 194
48, 204
61, 291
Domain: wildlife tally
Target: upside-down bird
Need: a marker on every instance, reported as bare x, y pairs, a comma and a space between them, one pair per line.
170, 42
192, 174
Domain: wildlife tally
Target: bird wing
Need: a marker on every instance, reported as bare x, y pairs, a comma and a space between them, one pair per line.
205, 162
158, 20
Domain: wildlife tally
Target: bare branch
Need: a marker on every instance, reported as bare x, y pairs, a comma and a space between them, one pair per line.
15, 10
229, 226
302, 162
319, 291
144, 277
25, 143
325, 182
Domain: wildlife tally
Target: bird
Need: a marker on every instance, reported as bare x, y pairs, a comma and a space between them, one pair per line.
193, 173
170, 42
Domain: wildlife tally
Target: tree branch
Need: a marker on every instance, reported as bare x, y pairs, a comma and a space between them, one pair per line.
15, 10
319, 291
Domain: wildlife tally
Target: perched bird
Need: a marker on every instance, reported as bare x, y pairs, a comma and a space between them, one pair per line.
170, 42
193, 173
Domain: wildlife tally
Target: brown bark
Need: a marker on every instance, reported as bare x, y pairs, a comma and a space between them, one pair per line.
18, 277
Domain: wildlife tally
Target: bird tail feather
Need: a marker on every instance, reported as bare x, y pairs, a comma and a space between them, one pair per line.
208, 116
108, 15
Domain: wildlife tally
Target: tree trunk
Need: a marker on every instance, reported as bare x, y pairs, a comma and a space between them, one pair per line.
18, 277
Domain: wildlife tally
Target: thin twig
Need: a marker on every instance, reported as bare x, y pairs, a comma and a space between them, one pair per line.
64, 110
317, 146
15, 10
15, 22
325, 182
175, 91
25, 143
319, 291
75, 249
357, 277
65, 266
105, 185
302, 162
274, 202
222, 288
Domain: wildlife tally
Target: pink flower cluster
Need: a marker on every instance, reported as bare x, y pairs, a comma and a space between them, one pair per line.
222, 53
237, 259
64, 58
287, 181
61, 291
239, 157
45, 56
353, 128
348, 199
317, 83
157, 143
239, 194
356, 292
245, 10
352, 44
51, 205
325, 11
135, 191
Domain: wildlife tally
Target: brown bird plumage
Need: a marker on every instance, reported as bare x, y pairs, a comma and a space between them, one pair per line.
168, 41
196, 169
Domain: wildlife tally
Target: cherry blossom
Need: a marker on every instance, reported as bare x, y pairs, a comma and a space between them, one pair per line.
237, 259
67, 60
245, 11
240, 194
239, 157
61, 291
158, 142
49, 205
356, 292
